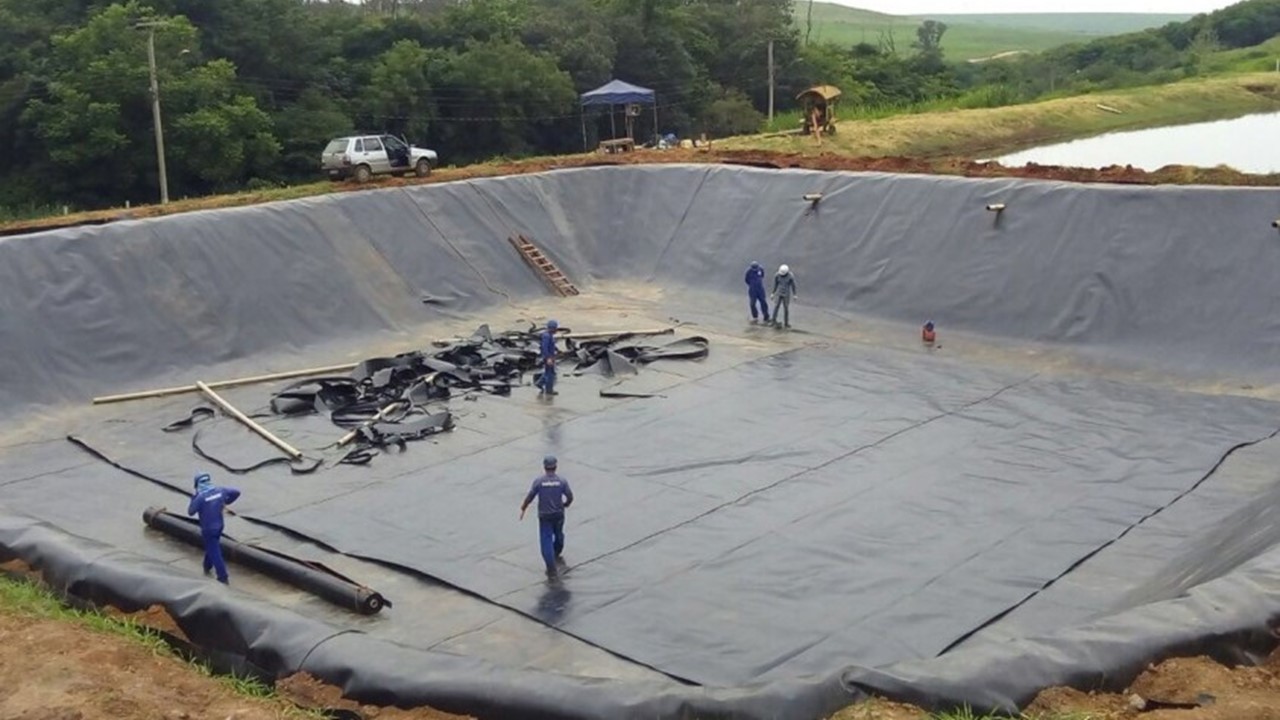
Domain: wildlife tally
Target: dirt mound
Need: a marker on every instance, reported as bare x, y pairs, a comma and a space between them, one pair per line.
1179, 689
308, 692
60, 670
17, 568
154, 617
1171, 175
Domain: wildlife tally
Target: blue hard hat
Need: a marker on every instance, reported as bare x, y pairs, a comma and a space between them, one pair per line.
553, 324
755, 264
549, 461
203, 479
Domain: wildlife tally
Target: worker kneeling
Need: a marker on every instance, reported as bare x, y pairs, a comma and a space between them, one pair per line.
554, 495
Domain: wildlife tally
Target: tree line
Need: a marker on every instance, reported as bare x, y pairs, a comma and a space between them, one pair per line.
252, 89
1165, 54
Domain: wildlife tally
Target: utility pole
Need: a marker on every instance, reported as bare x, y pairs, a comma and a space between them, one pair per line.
155, 107
770, 81
808, 25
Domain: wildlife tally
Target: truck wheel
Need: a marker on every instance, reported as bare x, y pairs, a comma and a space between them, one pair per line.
423, 168
363, 174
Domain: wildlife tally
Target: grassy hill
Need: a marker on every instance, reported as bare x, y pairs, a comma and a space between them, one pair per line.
1088, 24
971, 36
988, 132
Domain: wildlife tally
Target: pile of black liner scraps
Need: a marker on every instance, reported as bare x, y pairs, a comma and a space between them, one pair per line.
386, 402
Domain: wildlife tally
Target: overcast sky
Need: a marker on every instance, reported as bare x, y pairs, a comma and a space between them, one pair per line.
917, 7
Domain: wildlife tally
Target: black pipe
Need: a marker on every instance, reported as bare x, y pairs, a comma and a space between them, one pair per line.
326, 584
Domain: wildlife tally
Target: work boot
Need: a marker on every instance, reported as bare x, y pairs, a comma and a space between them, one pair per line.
552, 573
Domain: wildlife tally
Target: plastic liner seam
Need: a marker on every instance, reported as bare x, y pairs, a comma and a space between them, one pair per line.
820, 466
302, 664
466, 260
1194, 486
675, 232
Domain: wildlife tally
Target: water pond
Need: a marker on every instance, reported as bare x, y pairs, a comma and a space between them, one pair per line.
1249, 144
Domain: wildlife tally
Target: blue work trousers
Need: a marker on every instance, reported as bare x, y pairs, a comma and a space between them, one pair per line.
547, 380
551, 535
757, 298
213, 555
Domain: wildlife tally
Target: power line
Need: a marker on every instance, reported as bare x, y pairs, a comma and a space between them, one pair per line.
447, 109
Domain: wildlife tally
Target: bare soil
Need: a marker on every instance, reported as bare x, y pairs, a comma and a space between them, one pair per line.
54, 669
307, 691
1171, 175
1177, 689
60, 670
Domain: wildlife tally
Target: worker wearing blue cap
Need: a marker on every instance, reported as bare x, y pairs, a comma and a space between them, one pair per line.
554, 496
209, 503
755, 292
547, 353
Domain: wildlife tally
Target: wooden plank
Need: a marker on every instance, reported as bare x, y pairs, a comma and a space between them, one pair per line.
610, 333
231, 410
251, 380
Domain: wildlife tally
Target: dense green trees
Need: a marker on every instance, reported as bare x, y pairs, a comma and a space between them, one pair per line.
86, 121
252, 89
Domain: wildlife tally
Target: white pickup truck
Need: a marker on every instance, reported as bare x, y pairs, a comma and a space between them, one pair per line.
363, 156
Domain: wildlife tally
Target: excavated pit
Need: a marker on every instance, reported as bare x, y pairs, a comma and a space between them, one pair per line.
1075, 480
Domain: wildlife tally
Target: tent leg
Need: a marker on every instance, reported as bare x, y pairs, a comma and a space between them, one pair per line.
657, 135
613, 126
583, 112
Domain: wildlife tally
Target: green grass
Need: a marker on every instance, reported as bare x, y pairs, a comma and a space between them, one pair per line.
970, 37
947, 130
1090, 24
1259, 58
990, 96
27, 212
26, 599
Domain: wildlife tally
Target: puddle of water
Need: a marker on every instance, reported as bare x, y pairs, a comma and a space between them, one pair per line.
1248, 144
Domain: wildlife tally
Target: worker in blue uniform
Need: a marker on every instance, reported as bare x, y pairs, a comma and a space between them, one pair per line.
755, 292
209, 502
554, 495
547, 353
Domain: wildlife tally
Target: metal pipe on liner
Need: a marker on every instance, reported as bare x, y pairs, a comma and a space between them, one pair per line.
336, 590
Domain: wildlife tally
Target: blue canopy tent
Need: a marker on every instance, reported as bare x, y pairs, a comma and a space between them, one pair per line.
617, 92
